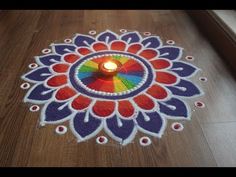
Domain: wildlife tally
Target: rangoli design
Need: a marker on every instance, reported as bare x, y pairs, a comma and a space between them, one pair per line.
121, 84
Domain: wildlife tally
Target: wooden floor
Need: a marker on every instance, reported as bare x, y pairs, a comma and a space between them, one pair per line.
209, 139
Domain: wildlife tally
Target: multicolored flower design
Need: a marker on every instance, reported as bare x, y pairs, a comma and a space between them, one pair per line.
148, 89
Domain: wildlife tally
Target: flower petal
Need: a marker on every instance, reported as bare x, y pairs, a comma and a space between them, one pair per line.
98, 46
48, 59
184, 88
65, 93
150, 123
134, 48
107, 36
83, 40
84, 51
125, 108
165, 78
104, 108
71, 58
151, 42
148, 53
39, 74
174, 107
158, 92
170, 52
57, 80
63, 48
86, 129
39, 93
144, 102
118, 45
160, 63
60, 67
81, 102
131, 37
183, 69
121, 130
55, 111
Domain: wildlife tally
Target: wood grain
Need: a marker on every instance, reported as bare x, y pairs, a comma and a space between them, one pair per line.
23, 143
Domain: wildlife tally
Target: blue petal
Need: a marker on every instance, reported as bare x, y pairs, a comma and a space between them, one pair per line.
53, 112
39, 74
85, 128
124, 131
170, 52
49, 59
131, 37
82, 40
63, 48
153, 125
107, 36
180, 109
151, 42
189, 89
183, 69
37, 93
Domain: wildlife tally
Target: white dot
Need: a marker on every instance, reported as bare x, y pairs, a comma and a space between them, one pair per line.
46, 51
33, 65
92, 32
176, 126
25, 85
34, 108
61, 129
103, 138
145, 138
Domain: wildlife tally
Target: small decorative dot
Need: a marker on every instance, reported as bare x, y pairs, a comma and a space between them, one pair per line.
199, 104
190, 58
147, 34
61, 129
101, 140
67, 41
92, 32
33, 65
176, 126
123, 30
145, 141
34, 108
46, 51
203, 79
25, 85
171, 42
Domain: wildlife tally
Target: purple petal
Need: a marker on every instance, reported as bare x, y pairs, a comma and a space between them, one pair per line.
171, 53
85, 128
83, 40
49, 59
107, 37
56, 111
174, 107
184, 88
63, 48
153, 124
131, 37
39, 74
123, 130
151, 42
40, 93
183, 69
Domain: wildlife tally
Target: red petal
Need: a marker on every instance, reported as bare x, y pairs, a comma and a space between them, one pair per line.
71, 58
165, 78
125, 108
148, 53
60, 68
134, 48
81, 102
118, 45
104, 108
65, 93
57, 81
160, 63
144, 102
84, 51
157, 92
100, 46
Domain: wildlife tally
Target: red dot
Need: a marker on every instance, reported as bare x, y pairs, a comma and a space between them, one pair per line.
144, 140
101, 139
60, 129
34, 107
176, 126
25, 85
199, 104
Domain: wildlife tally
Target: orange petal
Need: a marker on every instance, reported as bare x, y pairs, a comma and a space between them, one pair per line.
71, 58
65, 93
104, 108
134, 48
84, 51
57, 80
118, 45
165, 78
157, 92
100, 46
125, 108
60, 68
81, 102
148, 53
144, 102
160, 63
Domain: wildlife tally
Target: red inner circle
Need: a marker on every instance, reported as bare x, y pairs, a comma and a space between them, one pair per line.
144, 140
60, 129
101, 139
176, 126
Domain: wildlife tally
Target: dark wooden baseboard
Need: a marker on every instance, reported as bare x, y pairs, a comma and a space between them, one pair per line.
218, 35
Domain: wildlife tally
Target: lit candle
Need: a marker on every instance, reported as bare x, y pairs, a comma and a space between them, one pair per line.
109, 68
110, 65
